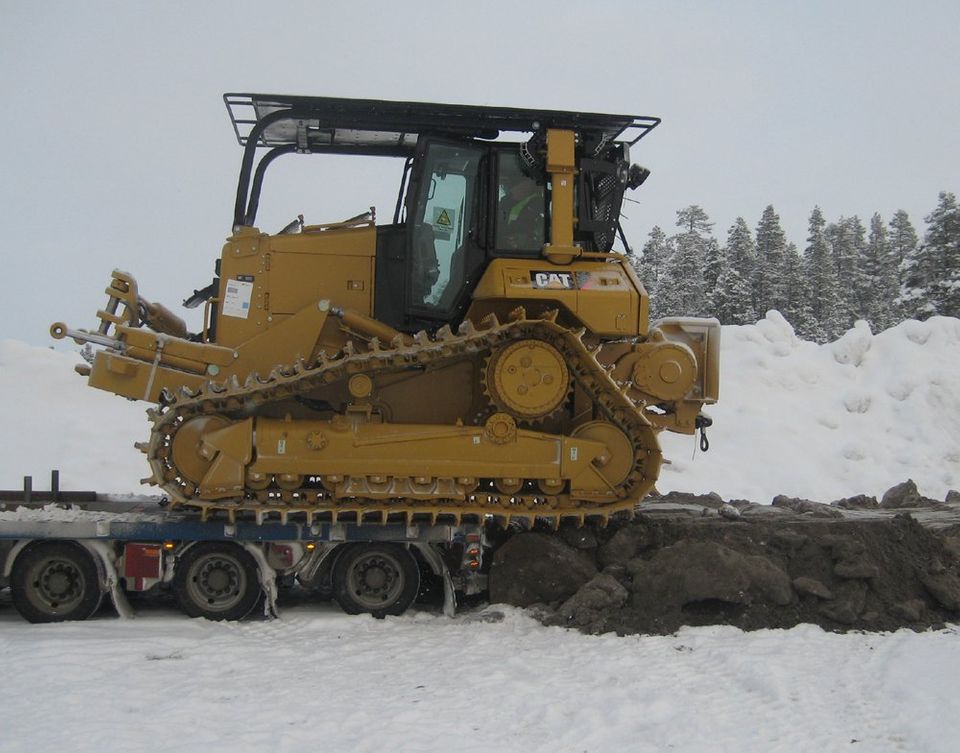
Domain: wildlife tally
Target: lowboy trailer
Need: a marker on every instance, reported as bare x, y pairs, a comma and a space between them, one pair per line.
61, 553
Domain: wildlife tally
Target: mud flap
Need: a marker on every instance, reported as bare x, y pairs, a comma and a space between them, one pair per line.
268, 580
105, 558
449, 593
440, 568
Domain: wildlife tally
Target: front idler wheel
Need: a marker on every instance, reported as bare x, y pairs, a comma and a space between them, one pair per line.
189, 456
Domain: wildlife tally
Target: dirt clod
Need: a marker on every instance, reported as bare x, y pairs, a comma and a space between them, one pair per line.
944, 587
579, 537
806, 585
850, 599
586, 607
858, 502
537, 567
856, 569
905, 495
624, 546
806, 506
909, 611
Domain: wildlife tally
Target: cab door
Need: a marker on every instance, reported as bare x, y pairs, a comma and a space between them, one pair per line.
444, 254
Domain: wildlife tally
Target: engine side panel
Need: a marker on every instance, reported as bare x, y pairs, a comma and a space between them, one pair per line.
602, 296
267, 278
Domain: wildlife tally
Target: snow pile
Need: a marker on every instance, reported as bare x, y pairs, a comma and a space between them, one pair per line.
828, 421
816, 421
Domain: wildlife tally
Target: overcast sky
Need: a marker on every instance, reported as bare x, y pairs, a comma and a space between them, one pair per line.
117, 150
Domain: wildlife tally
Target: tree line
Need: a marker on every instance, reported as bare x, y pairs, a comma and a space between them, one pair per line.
883, 273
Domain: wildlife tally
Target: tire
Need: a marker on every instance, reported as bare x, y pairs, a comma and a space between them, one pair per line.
377, 579
55, 581
218, 581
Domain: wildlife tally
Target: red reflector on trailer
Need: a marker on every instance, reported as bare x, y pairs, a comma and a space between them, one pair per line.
142, 561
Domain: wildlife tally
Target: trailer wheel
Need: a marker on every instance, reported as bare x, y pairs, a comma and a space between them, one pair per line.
217, 581
55, 581
378, 579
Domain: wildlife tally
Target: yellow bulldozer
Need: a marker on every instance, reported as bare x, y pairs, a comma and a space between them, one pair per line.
484, 354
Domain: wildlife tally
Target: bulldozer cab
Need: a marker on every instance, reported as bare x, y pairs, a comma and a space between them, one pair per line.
478, 183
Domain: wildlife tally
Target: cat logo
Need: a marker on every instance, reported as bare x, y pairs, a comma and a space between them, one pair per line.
553, 280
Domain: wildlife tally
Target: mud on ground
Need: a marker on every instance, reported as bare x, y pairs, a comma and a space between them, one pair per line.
856, 564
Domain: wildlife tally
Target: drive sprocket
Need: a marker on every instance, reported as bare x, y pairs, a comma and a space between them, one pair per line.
528, 379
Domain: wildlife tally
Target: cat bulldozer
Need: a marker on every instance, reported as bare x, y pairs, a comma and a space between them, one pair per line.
484, 355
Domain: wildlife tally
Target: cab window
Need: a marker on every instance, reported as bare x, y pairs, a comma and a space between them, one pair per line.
521, 202
442, 222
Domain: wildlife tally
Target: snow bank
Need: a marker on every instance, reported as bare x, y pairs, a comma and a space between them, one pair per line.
52, 419
827, 421
818, 421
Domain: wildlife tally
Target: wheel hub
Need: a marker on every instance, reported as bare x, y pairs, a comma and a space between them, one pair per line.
218, 582
58, 584
59, 581
375, 580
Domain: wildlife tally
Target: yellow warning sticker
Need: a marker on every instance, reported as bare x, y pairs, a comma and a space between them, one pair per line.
443, 218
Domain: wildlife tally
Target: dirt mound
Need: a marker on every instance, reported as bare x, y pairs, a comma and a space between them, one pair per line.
852, 565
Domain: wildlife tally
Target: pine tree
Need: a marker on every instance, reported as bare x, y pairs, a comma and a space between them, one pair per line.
845, 237
825, 321
743, 250
680, 289
903, 243
730, 300
902, 236
858, 245
916, 284
943, 243
880, 277
794, 307
653, 256
694, 221
930, 272
714, 262
768, 285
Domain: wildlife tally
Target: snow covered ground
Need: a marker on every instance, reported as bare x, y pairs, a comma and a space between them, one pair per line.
319, 680
816, 421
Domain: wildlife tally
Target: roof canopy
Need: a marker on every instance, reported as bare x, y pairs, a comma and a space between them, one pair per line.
369, 126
